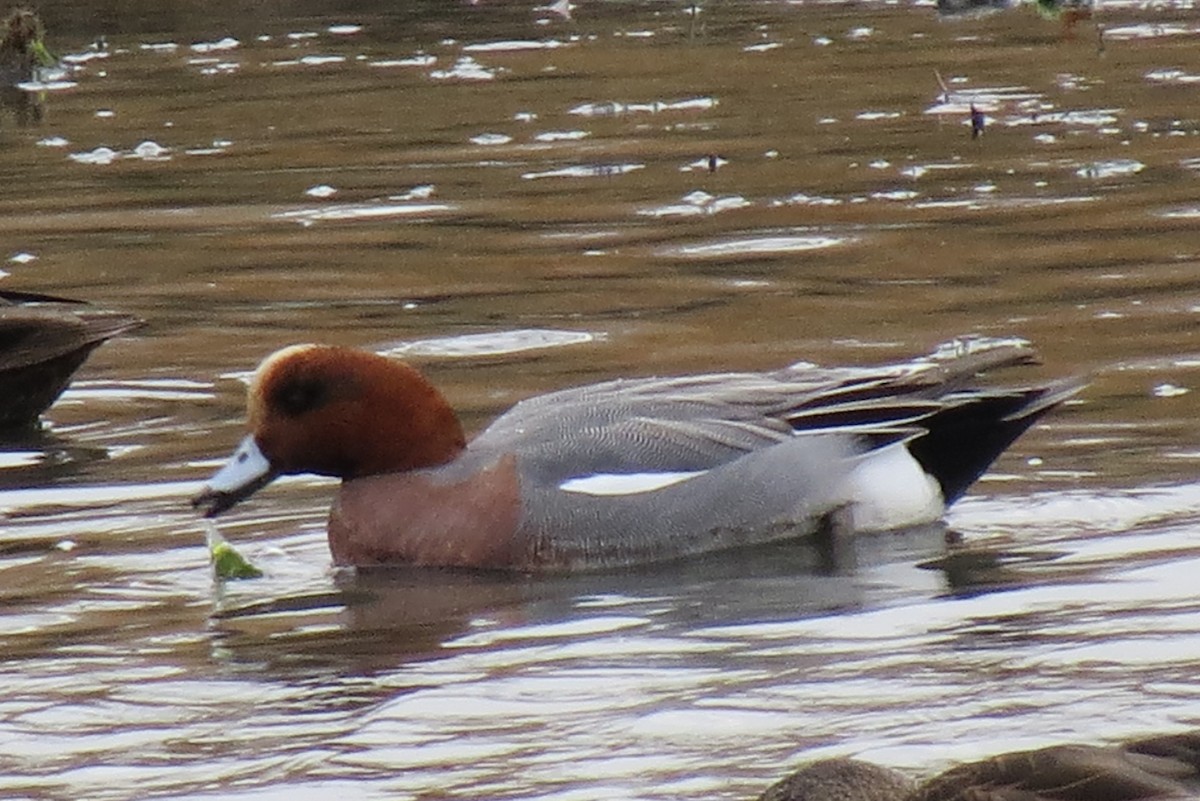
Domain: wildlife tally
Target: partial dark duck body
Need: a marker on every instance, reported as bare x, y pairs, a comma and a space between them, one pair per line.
1154, 768
43, 341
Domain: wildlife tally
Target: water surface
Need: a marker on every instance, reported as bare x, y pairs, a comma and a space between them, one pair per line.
521, 202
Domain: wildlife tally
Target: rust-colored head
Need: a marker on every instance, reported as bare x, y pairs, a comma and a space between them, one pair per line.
335, 412
348, 413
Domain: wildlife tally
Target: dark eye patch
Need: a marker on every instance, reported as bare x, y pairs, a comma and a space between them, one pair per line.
300, 395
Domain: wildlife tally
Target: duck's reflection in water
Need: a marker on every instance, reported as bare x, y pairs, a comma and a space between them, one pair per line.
377, 619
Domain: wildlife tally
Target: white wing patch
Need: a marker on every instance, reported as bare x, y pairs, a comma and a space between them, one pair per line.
625, 483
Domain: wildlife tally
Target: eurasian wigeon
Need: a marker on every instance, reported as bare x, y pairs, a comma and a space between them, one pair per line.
1159, 767
627, 471
43, 341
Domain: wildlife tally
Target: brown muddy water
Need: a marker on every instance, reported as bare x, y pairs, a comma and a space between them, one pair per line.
523, 202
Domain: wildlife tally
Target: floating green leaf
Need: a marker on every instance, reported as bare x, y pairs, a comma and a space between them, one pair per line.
228, 564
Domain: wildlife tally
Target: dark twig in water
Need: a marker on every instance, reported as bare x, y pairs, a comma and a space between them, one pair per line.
977, 122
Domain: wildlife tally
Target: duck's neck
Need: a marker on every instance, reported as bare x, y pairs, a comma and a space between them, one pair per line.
409, 425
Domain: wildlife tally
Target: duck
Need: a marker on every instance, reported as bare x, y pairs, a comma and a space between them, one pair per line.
1158, 767
21, 35
44, 339
628, 471
22, 53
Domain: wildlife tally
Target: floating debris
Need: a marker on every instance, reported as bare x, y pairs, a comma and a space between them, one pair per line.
977, 122
710, 163
227, 563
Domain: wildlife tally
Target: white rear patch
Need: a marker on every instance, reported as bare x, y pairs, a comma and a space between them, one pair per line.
625, 483
889, 489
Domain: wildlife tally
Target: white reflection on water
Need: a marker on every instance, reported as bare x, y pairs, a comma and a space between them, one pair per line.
466, 69
29, 499
421, 60
561, 136
510, 46
491, 139
317, 60
167, 389
1078, 512
228, 43
1113, 168
46, 85
9, 459
1172, 76
759, 245
1183, 213
802, 199
101, 156
584, 171
491, 343
1149, 30
697, 203
360, 211
986, 202
1092, 118
612, 107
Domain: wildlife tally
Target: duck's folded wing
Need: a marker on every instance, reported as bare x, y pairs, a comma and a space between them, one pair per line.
667, 427
670, 427
30, 336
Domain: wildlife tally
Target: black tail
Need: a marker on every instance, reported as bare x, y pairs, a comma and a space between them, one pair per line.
962, 440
